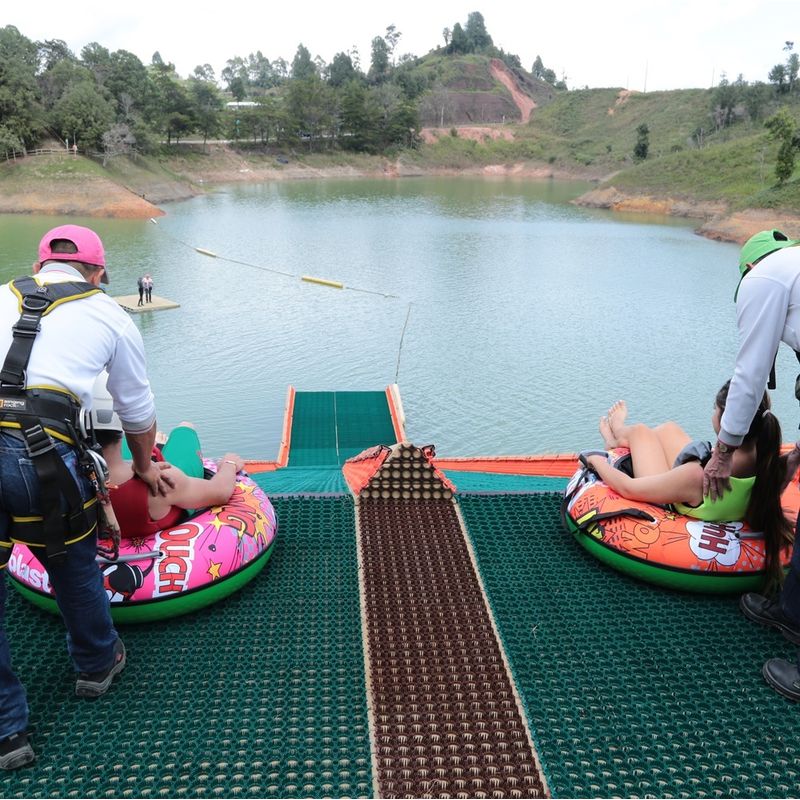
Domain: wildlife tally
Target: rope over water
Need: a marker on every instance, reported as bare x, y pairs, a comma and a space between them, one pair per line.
306, 278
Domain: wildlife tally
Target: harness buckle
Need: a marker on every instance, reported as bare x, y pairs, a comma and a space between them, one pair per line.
37, 441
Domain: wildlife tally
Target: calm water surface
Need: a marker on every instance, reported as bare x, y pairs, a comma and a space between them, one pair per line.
528, 316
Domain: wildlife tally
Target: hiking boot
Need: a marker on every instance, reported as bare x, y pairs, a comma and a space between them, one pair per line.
94, 684
768, 612
15, 751
783, 677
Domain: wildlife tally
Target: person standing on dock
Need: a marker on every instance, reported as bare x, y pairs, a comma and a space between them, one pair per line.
140, 285
767, 313
58, 332
148, 288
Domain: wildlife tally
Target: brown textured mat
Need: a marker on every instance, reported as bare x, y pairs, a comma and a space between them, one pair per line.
446, 722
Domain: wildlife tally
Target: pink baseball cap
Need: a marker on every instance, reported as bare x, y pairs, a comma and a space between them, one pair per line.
89, 247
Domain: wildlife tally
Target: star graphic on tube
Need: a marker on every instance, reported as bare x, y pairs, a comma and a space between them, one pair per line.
213, 570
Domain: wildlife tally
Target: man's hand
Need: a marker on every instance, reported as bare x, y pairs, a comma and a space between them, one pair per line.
717, 474
159, 481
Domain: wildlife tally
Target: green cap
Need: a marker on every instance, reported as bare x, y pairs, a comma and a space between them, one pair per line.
757, 247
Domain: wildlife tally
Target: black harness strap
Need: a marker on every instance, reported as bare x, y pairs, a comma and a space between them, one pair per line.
27, 407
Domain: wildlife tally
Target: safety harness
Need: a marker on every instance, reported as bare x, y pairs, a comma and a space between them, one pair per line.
43, 415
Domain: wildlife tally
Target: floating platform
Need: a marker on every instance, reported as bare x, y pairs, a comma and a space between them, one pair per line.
425, 628
130, 302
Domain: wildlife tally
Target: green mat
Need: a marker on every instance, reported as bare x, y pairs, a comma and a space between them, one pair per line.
261, 695
631, 690
303, 480
330, 427
466, 482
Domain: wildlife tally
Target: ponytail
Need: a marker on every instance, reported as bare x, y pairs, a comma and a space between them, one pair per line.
764, 511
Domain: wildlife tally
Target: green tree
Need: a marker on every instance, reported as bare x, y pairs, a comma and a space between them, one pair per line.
83, 114
341, 70
20, 109
756, 97
303, 66
96, 58
379, 63
642, 146
478, 38
56, 80
235, 76
171, 110
783, 128
52, 51
129, 83
543, 73
207, 102
723, 102
358, 119
311, 109
458, 40
392, 37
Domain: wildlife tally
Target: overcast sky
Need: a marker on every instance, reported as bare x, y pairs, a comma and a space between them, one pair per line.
635, 44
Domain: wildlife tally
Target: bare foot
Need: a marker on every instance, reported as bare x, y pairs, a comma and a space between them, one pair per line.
609, 439
617, 415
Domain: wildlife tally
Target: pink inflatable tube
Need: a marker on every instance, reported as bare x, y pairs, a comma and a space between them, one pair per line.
180, 569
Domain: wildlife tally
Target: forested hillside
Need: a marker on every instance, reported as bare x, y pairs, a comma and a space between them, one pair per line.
112, 103
735, 143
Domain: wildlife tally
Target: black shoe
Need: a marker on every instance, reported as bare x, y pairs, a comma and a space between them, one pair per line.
768, 612
15, 751
93, 684
783, 677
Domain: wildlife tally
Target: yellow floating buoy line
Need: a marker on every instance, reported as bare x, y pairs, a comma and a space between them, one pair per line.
306, 278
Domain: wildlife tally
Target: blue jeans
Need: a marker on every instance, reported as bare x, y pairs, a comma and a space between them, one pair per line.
77, 582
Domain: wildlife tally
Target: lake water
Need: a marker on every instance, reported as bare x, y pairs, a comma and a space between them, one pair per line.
528, 316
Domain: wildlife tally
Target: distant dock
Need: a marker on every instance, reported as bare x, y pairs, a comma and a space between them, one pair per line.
130, 302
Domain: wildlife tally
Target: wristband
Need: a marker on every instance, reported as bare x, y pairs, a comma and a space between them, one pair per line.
228, 461
725, 448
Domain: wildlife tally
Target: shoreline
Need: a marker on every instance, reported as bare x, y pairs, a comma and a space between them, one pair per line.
134, 190
718, 222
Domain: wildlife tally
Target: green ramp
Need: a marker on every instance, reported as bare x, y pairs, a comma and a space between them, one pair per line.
330, 427
631, 690
260, 695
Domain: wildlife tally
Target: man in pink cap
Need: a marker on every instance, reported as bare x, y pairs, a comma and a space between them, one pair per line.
58, 332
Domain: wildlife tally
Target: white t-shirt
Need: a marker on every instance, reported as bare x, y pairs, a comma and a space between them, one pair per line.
77, 341
767, 313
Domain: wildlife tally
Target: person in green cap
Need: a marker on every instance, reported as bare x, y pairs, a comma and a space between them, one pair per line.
767, 313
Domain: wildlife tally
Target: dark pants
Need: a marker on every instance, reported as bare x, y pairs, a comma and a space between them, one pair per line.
141, 294
78, 583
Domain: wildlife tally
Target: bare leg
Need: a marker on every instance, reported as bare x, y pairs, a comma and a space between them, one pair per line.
653, 450
609, 439
617, 415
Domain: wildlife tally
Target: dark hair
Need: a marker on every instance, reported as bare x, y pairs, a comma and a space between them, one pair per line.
764, 511
106, 438
67, 247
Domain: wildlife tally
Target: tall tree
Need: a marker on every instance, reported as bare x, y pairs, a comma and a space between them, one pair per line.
642, 146
458, 40
341, 70
20, 108
379, 63
207, 102
478, 38
783, 128
303, 66
392, 37
83, 114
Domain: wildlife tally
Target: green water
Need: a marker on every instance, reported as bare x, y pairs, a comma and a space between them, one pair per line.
529, 316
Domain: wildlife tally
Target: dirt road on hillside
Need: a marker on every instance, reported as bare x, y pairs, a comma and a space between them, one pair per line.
500, 72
